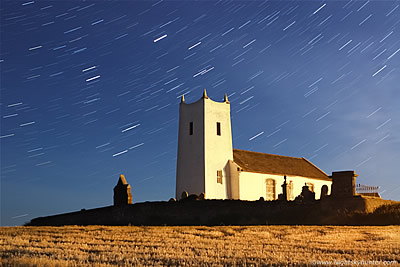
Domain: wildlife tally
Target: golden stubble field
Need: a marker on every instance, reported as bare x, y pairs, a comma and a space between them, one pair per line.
200, 246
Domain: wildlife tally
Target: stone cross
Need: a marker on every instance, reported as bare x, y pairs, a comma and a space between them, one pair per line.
284, 189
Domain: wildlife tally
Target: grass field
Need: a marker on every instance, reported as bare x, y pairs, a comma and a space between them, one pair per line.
199, 246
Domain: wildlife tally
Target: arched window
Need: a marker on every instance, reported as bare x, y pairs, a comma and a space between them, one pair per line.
290, 193
270, 184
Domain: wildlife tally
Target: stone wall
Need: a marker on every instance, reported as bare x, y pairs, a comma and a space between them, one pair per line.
343, 184
216, 212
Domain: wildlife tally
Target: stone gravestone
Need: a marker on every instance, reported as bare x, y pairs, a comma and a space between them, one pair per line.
184, 195
324, 191
306, 194
122, 192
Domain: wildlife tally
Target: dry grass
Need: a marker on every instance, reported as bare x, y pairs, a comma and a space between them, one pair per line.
197, 245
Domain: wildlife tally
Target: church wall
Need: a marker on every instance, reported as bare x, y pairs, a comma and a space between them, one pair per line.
190, 163
233, 180
218, 148
253, 185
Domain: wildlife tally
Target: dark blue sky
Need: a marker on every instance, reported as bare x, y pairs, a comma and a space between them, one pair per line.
90, 90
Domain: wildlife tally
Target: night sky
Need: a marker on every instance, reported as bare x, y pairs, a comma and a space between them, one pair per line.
91, 90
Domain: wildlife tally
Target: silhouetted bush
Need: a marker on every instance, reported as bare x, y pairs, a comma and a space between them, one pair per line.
384, 215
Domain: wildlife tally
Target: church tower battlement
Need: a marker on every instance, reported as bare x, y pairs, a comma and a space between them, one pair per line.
204, 147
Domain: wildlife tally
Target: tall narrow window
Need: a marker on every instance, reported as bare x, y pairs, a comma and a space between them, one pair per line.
191, 128
219, 176
218, 128
270, 184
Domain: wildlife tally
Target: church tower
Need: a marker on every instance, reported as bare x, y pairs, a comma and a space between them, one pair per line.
204, 148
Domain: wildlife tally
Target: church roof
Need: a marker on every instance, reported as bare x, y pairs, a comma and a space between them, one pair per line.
275, 164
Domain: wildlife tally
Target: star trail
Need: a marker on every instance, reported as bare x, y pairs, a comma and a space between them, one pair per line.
91, 90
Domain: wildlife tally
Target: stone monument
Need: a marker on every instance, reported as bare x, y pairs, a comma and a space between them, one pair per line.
284, 189
343, 184
306, 194
122, 192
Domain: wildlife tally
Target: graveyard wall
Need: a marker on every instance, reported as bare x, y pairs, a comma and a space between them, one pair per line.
215, 212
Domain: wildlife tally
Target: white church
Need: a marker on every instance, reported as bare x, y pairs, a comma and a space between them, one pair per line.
208, 164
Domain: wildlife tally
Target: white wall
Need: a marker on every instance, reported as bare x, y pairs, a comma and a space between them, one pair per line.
190, 160
233, 180
202, 154
218, 149
252, 186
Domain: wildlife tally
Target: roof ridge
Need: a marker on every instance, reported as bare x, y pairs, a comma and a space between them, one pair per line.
309, 162
276, 164
267, 154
